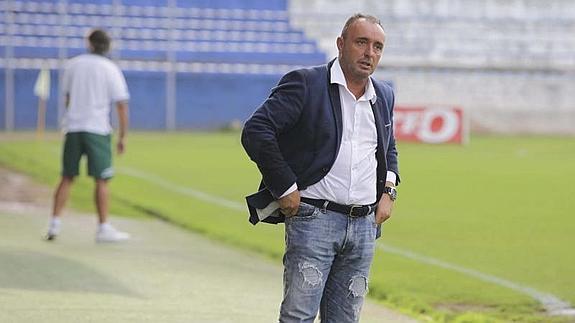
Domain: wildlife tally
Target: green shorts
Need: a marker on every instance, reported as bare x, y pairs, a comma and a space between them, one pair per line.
97, 149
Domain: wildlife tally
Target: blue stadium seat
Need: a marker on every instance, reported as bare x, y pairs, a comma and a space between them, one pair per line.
246, 31
241, 46
234, 4
251, 58
35, 52
156, 55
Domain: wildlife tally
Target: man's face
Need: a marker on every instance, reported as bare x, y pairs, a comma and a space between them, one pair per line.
360, 49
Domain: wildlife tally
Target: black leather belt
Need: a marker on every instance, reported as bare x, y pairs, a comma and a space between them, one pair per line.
353, 211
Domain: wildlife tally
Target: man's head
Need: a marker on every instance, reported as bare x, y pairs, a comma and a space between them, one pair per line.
99, 42
360, 46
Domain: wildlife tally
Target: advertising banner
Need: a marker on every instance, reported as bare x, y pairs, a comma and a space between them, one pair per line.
432, 125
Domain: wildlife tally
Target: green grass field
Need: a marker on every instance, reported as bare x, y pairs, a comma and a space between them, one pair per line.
499, 206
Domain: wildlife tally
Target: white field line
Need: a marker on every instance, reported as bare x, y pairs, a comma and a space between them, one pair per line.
551, 303
183, 190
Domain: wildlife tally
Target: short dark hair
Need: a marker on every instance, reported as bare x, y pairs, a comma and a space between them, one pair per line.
100, 41
357, 16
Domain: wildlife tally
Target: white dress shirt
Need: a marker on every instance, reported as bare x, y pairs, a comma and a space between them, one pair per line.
352, 178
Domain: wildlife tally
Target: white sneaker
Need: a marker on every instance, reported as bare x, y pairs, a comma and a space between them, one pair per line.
53, 229
108, 233
51, 235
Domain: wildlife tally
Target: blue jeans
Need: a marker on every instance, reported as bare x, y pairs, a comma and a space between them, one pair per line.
326, 265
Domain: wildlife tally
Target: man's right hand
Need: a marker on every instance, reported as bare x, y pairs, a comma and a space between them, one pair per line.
289, 204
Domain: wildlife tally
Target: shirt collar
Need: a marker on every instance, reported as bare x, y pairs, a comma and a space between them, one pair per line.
337, 77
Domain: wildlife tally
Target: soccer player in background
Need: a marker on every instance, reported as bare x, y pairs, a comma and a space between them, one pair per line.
92, 84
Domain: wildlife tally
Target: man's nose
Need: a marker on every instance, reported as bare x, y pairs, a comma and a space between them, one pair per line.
369, 51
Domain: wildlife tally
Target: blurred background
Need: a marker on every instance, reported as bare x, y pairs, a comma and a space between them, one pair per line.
510, 64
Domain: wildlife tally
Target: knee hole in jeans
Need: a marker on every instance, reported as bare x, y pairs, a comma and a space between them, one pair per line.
312, 277
358, 286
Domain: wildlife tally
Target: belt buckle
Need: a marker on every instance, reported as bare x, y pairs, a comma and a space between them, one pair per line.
352, 207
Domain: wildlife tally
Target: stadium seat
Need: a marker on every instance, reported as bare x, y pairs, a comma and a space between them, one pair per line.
247, 31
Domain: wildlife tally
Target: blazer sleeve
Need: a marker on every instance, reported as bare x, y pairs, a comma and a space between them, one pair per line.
391, 154
279, 113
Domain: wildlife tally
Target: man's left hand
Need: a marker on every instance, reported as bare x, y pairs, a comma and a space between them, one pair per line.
384, 208
120, 147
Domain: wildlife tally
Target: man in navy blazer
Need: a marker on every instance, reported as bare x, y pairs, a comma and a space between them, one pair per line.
323, 142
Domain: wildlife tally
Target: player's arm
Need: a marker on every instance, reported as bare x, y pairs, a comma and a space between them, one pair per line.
122, 107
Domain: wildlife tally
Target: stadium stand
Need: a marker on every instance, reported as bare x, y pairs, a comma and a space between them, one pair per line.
510, 64
198, 50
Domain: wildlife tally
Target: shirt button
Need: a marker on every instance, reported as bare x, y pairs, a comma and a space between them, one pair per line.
325, 170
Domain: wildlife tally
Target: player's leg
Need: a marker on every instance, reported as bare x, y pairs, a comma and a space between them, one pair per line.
101, 199
99, 153
71, 155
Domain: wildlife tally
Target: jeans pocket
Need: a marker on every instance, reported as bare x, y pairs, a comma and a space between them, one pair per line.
372, 218
306, 211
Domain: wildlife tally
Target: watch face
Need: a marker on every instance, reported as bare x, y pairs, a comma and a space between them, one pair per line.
392, 192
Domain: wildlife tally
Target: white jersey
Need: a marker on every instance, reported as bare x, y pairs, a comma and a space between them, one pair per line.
93, 83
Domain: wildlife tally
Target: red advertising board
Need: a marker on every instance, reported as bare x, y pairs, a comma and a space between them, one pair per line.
430, 124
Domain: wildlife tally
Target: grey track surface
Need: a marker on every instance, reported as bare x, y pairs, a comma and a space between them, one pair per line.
164, 274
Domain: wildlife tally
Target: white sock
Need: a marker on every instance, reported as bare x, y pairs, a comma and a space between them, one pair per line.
55, 224
55, 221
105, 226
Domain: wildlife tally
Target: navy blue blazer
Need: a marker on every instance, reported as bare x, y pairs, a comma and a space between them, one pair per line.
295, 135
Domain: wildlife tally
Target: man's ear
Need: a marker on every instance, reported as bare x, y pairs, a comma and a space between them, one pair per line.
339, 43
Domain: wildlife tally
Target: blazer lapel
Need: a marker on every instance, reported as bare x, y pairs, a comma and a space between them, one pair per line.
333, 90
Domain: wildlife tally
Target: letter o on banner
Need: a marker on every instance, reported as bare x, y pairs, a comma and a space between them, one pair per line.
438, 125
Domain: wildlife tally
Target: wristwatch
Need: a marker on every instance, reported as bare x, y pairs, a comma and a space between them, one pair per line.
391, 191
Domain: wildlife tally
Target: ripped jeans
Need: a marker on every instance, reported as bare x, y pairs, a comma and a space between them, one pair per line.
326, 265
